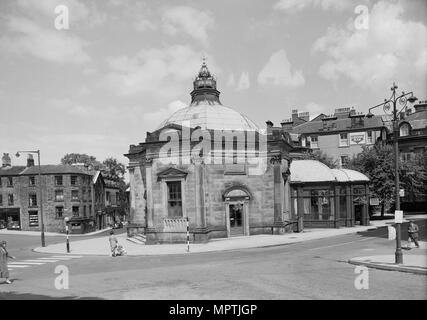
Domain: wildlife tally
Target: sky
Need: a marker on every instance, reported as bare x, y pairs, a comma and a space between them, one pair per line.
120, 67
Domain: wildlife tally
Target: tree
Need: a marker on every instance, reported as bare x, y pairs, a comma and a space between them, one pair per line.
114, 169
322, 157
378, 164
73, 158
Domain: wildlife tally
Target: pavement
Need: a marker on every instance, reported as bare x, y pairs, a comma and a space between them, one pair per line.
100, 245
48, 234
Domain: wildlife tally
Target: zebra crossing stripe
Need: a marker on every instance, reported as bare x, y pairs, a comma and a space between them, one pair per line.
69, 257
44, 261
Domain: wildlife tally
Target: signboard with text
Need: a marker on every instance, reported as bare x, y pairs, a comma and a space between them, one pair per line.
398, 216
357, 138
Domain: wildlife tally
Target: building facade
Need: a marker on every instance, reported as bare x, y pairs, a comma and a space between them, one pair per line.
340, 135
67, 191
212, 167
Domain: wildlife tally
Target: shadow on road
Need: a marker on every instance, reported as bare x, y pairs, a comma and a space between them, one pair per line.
382, 232
30, 296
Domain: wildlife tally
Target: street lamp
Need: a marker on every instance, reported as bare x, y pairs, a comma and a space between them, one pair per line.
402, 100
40, 192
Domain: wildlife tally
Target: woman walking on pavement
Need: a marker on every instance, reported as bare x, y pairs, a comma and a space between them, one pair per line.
4, 255
113, 243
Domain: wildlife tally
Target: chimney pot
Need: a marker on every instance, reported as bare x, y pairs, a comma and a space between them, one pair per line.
6, 160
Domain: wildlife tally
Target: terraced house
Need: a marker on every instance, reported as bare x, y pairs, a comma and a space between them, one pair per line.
67, 191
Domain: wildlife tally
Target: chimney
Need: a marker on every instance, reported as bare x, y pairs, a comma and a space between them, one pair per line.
6, 161
287, 124
294, 114
269, 127
30, 161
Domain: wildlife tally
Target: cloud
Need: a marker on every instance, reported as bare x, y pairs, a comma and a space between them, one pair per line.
160, 72
293, 6
143, 24
231, 82
156, 117
374, 58
278, 72
187, 20
244, 82
43, 43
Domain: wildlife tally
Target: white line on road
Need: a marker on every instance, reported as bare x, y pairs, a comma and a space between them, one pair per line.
48, 259
341, 244
69, 257
18, 266
34, 263
41, 261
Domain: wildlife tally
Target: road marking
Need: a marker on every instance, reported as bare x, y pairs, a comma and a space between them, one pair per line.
46, 261
34, 263
344, 243
69, 257
18, 266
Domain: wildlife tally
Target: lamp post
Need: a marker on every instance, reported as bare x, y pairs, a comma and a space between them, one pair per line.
392, 102
40, 193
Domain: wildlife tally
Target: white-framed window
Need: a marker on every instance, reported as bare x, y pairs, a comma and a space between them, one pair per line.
303, 141
314, 142
369, 137
404, 130
343, 142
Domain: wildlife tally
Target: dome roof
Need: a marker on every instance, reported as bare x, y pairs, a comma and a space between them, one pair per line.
316, 171
206, 111
208, 115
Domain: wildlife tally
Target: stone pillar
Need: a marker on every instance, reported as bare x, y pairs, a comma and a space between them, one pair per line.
300, 213
276, 161
150, 231
337, 206
201, 229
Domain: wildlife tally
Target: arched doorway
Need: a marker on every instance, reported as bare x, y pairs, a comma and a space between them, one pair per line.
236, 211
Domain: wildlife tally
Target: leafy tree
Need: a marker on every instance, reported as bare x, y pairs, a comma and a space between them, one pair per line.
378, 164
322, 157
73, 158
114, 169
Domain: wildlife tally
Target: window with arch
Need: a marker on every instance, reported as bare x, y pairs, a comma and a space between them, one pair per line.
404, 130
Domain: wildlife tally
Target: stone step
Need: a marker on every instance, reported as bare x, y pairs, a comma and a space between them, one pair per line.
140, 237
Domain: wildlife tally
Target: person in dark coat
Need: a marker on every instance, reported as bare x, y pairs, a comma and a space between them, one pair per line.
413, 234
4, 255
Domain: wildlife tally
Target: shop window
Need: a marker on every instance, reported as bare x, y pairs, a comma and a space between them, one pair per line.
59, 195
58, 180
174, 198
32, 200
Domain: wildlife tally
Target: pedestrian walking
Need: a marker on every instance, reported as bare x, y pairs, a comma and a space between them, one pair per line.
413, 234
4, 255
113, 243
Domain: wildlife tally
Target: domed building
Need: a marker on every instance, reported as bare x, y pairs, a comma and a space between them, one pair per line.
212, 167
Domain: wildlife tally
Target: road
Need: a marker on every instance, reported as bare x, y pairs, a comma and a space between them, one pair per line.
316, 269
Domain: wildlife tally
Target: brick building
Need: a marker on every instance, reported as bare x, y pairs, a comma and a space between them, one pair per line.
340, 135
67, 191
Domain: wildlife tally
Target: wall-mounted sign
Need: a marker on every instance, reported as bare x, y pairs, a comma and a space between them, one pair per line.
358, 138
33, 219
402, 192
398, 216
374, 201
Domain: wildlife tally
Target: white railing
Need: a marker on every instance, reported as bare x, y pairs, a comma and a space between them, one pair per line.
175, 224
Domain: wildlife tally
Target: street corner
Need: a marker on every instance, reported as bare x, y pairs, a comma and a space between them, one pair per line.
414, 263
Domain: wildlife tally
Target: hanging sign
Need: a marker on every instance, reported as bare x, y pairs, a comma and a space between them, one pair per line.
358, 138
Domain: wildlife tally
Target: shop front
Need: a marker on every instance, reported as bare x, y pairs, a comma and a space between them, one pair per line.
10, 218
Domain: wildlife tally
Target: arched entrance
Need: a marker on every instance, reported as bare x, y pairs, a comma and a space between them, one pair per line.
236, 211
